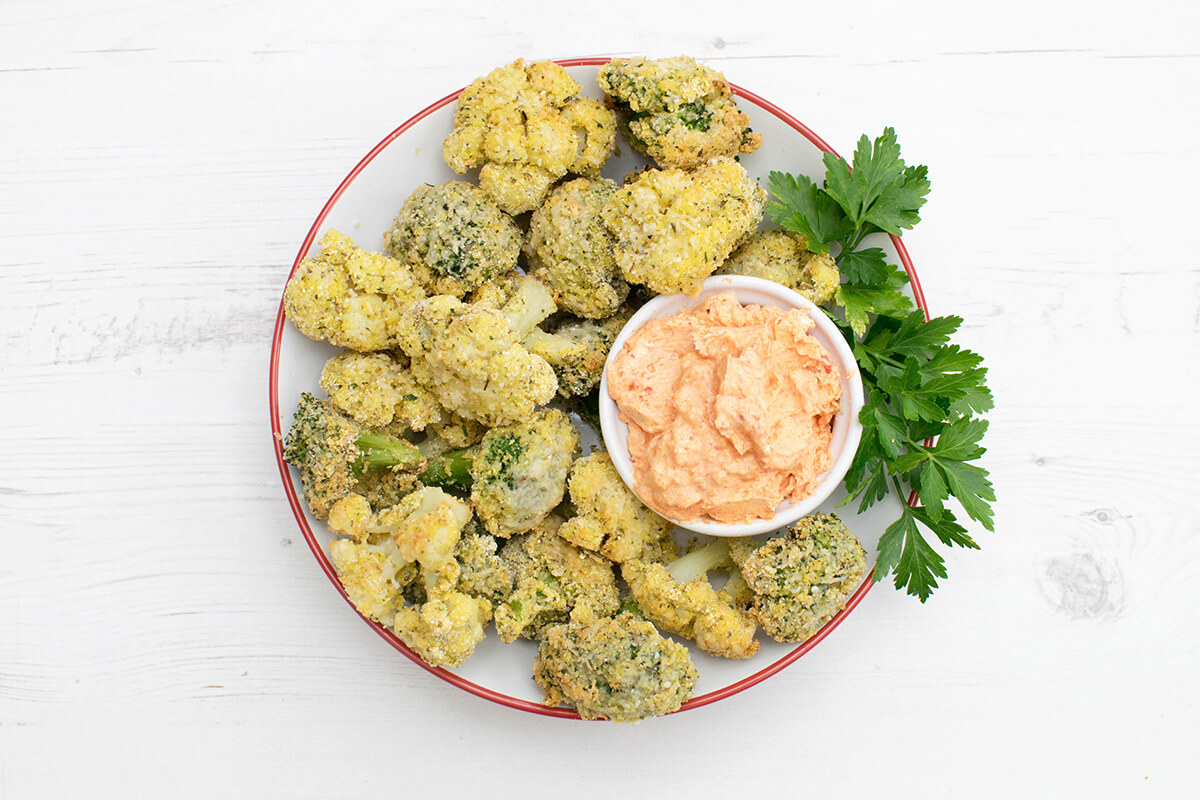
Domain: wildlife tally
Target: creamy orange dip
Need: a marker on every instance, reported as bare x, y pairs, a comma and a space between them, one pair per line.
729, 409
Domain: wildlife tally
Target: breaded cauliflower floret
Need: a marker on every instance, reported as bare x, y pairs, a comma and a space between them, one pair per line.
674, 228
520, 472
445, 629
609, 517
471, 358
525, 127
801, 579
617, 668
819, 278
425, 527
348, 296
374, 575
783, 257
552, 579
676, 111
376, 389
679, 599
454, 238
572, 251
377, 561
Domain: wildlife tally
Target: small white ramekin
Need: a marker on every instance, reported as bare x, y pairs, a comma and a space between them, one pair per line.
847, 430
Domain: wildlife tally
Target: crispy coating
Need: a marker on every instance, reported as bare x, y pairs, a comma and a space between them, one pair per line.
609, 517
617, 668
375, 565
348, 296
783, 257
377, 560
551, 579
525, 127
674, 228
482, 573
323, 445
454, 433
445, 629
801, 579
453, 238
425, 527
470, 357
520, 472
819, 278
576, 350
385, 487
376, 389
693, 609
676, 111
570, 249
496, 292
374, 575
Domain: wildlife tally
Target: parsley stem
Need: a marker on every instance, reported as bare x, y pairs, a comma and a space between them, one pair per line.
851, 243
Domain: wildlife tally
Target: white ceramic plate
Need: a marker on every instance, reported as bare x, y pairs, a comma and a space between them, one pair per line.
363, 207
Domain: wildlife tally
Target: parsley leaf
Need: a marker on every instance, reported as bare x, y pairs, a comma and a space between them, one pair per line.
861, 301
803, 208
922, 431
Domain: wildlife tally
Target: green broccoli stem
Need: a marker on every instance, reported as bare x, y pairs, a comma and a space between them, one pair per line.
382, 450
697, 563
450, 471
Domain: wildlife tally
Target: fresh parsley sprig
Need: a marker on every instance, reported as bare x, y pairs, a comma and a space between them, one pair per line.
922, 423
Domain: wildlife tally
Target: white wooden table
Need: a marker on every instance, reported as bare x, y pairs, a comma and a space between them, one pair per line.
165, 632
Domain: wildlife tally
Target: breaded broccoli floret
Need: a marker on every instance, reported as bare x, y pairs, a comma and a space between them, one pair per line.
676, 111
525, 127
802, 579
471, 358
572, 251
617, 668
334, 455
454, 238
675, 228
376, 388
520, 471
609, 517
576, 350
783, 257
482, 572
679, 599
551, 579
348, 296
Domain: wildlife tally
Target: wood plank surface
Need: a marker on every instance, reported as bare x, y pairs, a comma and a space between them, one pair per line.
164, 629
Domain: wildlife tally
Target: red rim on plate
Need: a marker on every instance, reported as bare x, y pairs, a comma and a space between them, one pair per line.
319, 551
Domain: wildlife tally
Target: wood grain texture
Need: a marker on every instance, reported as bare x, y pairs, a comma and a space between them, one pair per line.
164, 630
